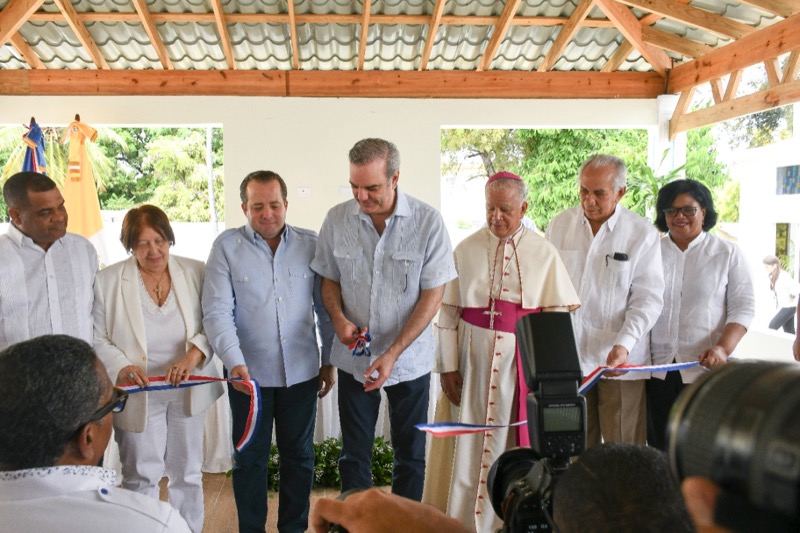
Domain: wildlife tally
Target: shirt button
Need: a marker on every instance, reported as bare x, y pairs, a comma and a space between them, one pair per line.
246, 278
280, 299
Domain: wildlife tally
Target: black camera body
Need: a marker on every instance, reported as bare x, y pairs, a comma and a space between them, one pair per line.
521, 481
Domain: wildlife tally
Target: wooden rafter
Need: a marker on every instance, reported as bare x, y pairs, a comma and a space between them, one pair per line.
383, 84
790, 71
717, 91
66, 8
630, 27
784, 94
509, 10
784, 8
680, 109
733, 85
362, 42
433, 29
566, 34
693, 17
152, 32
26, 52
14, 15
673, 43
293, 35
618, 57
222, 30
765, 44
773, 68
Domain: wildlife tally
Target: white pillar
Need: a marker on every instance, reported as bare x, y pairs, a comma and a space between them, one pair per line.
659, 140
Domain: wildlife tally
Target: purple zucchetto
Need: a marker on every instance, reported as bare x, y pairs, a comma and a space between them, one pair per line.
503, 175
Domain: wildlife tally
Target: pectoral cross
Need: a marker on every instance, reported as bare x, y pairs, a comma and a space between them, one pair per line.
492, 313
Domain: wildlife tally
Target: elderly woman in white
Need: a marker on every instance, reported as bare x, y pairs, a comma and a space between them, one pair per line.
708, 298
148, 322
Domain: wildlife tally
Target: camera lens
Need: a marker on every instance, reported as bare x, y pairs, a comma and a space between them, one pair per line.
739, 425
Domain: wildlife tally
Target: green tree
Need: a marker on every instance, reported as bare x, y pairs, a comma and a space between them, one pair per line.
497, 149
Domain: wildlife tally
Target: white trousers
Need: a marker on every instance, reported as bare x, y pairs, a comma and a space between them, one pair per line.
171, 445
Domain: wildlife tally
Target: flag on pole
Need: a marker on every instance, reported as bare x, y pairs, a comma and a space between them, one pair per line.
34, 154
80, 189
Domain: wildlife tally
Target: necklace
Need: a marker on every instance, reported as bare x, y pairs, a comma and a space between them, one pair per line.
157, 289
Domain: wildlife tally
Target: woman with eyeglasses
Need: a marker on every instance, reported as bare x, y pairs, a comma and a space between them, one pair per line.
708, 298
785, 289
147, 323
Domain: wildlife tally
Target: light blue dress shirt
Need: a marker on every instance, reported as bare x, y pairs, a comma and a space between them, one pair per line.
381, 277
259, 308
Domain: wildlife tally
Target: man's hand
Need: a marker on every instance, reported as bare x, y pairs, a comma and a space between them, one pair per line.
327, 377
452, 383
240, 371
714, 356
346, 331
378, 372
374, 511
132, 374
700, 496
617, 356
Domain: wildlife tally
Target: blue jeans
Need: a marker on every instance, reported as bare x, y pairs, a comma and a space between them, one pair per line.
358, 414
293, 410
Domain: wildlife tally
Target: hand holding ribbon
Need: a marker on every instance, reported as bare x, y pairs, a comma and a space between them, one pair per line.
361, 344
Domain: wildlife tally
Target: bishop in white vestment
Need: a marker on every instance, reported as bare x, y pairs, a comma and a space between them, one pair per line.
504, 272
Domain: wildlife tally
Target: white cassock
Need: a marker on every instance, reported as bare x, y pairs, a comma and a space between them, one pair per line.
498, 281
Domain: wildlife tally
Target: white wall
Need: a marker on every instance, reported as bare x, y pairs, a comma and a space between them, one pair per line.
306, 140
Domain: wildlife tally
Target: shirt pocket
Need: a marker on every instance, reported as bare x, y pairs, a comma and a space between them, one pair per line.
406, 270
350, 260
250, 290
301, 283
615, 287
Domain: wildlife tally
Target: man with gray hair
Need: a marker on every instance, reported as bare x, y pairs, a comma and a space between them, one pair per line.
505, 271
384, 258
614, 259
56, 404
46, 274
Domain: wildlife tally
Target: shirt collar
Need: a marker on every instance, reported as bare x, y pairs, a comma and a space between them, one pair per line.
402, 208
23, 241
611, 222
42, 482
254, 237
696, 242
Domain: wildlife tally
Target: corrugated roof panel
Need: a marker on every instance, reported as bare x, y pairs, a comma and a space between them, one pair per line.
693, 34
739, 12
402, 7
545, 8
56, 45
250, 6
328, 46
393, 47
479, 8
458, 47
180, 6
124, 45
101, 6
193, 46
10, 58
261, 46
523, 48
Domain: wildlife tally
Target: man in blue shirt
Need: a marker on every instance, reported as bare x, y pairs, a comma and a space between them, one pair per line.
260, 298
384, 258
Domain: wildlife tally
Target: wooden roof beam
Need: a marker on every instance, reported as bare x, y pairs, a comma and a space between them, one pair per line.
790, 70
630, 27
433, 29
680, 109
694, 17
772, 41
784, 94
773, 67
784, 8
362, 42
618, 57
14, 15
509, 10
565, 35
733, 86
26, 52
152, 32
224, 37
293, 35
673, 43
71, 16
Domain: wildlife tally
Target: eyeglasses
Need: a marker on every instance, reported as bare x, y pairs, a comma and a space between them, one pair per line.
115, 405
687, 211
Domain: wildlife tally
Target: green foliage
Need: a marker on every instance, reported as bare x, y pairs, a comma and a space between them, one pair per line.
728, 208
496, 148
326, 463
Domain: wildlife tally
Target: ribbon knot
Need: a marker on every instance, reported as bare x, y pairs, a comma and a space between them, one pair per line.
361, 345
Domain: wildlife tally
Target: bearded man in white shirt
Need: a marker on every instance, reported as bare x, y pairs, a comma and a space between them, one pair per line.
46, 274
613, 257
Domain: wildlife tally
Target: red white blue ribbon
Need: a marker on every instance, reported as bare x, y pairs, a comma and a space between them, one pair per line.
158, 383
451, 429
361, 345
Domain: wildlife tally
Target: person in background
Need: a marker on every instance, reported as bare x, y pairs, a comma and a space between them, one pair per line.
56, 405
505, 271
614, 260
260, 303
148, 322
384, 258
620, 488
46, 274
785, 289
709, 300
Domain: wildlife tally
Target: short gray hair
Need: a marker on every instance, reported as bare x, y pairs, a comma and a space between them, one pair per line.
620, 178
366, 151
520, 186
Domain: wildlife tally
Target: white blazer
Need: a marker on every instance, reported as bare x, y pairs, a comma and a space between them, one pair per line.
120, 339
